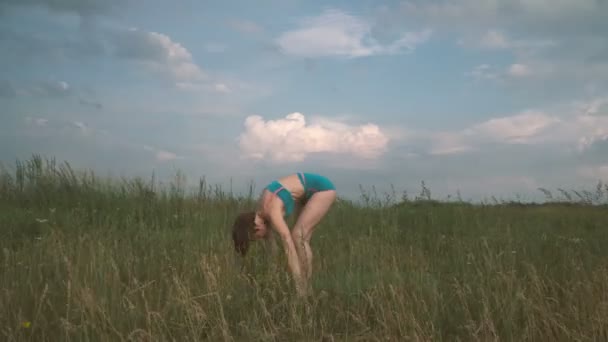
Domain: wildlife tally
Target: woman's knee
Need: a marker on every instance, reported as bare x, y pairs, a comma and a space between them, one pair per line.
300, 234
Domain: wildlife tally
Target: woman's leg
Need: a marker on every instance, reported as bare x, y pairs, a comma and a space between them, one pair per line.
316, 208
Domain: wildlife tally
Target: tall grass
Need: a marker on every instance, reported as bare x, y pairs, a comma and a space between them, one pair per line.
92, 259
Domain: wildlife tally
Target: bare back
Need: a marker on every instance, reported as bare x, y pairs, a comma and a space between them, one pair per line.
291, 183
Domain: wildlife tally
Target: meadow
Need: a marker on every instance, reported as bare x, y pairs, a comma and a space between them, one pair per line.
87, 258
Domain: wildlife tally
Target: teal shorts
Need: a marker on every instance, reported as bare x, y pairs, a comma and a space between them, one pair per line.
312, 184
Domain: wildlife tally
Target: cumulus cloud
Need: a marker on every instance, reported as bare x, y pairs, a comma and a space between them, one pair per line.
156, 51
597, 106
584, 124
555, 40
92, 41
161, 54
338, 34
153, 51
591, 130
521, 128
580, 126
292, 139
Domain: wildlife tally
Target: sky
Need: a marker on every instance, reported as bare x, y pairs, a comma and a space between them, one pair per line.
474, 97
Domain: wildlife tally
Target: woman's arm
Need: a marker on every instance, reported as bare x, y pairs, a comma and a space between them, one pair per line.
280, 226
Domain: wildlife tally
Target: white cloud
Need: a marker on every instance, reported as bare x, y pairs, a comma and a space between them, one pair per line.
82, 127
519, 128
335, 33
597, 106
222, 88
583, 124
495, 39
555, 40
63, 86
446, 143
519, 70
291, 139
36, 121
165, 156
515, 71
579, 126
484, 72
553, 65
158, 52
590, 129
161, 155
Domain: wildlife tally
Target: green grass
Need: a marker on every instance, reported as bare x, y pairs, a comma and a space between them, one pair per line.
92, 259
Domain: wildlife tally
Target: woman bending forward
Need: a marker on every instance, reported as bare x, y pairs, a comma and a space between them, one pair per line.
310, 196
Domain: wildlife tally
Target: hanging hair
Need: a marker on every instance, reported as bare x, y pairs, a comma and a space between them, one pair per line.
241, 229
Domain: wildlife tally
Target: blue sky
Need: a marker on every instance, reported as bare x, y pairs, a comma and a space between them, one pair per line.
485, 97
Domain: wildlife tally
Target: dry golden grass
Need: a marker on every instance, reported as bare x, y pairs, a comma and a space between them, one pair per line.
85, 259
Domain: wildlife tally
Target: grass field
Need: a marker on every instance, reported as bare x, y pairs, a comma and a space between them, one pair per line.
91, 259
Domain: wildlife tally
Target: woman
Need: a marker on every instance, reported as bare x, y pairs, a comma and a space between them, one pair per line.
310, 196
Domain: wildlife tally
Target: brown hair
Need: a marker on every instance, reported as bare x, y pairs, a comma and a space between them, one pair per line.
242, 227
